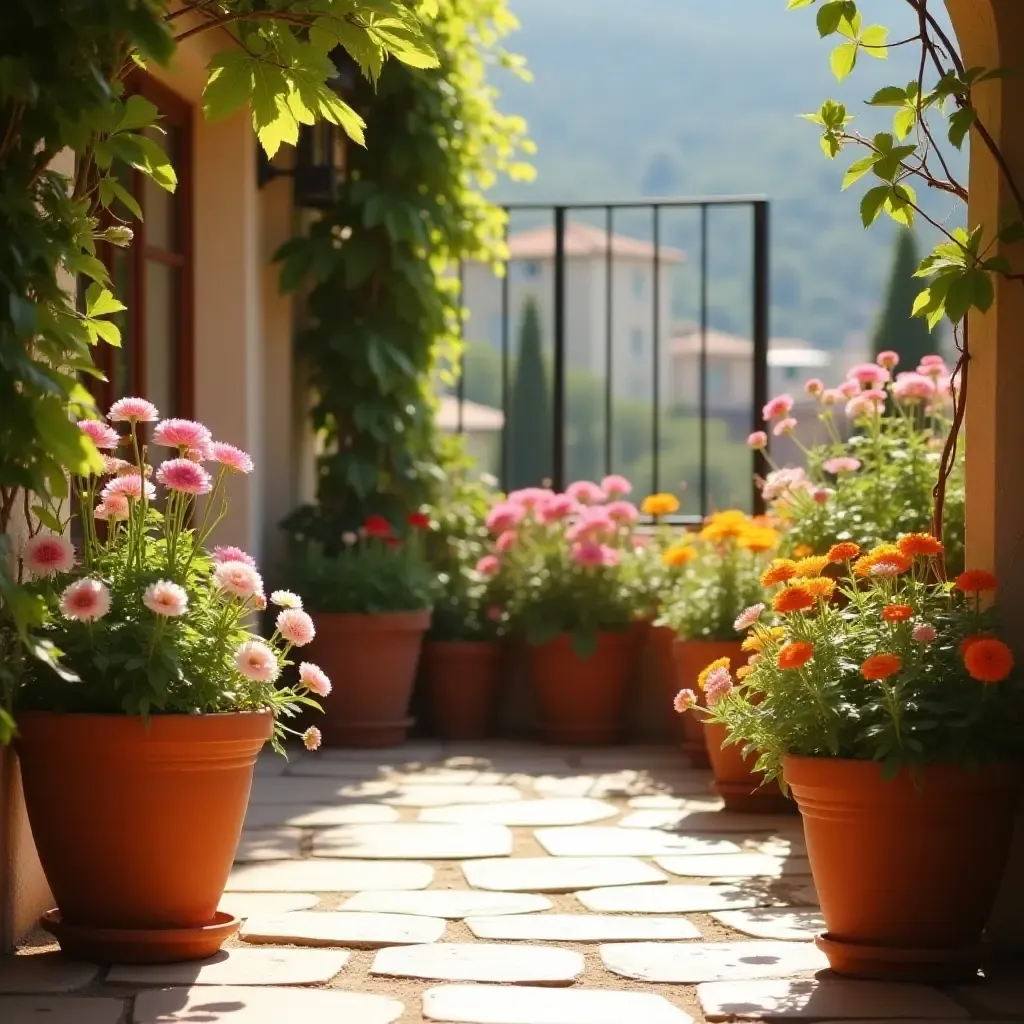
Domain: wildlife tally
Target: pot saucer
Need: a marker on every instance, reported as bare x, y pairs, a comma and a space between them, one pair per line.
893, 963
140, 945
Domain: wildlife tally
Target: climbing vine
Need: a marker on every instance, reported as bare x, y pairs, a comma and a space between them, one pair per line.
385, 305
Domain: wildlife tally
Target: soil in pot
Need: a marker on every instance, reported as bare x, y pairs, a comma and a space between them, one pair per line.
740, 787
906, 869
462, 679
372, 661
136, 824
582, 700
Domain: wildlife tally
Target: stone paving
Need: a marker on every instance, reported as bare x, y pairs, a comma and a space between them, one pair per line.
499, 883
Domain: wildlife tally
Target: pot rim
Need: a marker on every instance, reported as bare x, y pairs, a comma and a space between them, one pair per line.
374, 622
817, 773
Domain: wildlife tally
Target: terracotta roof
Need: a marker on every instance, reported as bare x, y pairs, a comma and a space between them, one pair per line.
475, 417
584, 240
781, 351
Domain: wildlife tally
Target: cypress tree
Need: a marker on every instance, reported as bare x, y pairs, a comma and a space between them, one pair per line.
897, 330
529, 408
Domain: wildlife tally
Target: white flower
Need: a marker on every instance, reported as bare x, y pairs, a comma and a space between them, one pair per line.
285, 599
314, 679
238, 578
166, 598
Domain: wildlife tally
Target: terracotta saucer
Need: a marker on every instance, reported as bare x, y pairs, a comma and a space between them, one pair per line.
892, 963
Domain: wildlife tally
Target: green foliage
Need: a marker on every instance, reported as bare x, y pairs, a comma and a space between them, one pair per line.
530, 450
897, 330
385, 306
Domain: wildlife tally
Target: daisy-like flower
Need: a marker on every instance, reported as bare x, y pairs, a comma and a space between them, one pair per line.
314, 679
757, 440
717, 685
821, 588
976, 581
504, 517
843, 552
231, 457
133, 410
867, 374
588, 553
102, 435
229, 553
793, 599
832, 396
888, 359
488, 565
130, 487
238, 578
778, 407
46, 554
786, 426
182, 434
166, 598
794, 655
556, 508
881, 666
988, 660
530, 497
311, 738
185, 476
779, 571
684, 699
812, 565
884, 569
285, 599
622, 511
586, 492
506, 541
748, 617
924, 633
296, 627
661, 504
256, 661
919, 545
113, 508
114, 467
841, 464
897, 612
814, 387
615, 486
914, 387
85, 600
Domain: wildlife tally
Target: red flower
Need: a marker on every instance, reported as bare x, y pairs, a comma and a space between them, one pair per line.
376, 526
393, 542
419, 520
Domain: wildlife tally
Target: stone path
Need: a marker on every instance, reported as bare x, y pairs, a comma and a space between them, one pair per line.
499, 883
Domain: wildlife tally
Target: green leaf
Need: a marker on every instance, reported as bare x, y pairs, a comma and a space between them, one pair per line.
111, 189
829, 15
898, 204
272, 118
872, 203
960, 124
872, 39
103, 330
138, 113
1013, 233
843, 60
47, 518
75, 452
584, 642
229, 85
145, 155
890, 96
903, 121
795, 5
101, 302
858, 169
338, 112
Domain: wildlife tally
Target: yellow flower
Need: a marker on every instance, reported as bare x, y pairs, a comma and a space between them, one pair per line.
760, 538
659, 505
743, 671
803, 550
814, 565
718, 663
820, 586
678, 554
756, 641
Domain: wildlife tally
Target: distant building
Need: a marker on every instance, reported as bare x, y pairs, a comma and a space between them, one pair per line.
481, 426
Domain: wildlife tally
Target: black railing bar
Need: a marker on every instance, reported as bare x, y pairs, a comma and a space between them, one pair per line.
702, 380
558, 431
643, 204
608, 343
675, 520
505, 433
762, 327
461, 381
656, 346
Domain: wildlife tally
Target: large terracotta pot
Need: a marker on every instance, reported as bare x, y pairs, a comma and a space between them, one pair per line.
740, 787
462, 678
372, 661
692, 657
906, 869
136, 824
582, 700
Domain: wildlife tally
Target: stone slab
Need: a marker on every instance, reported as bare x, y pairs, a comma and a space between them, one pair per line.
621, 785
670, 802
807, 894
253, 904
351, 930
1002, 996
243, 1005
452, 777
825, 999
269, 765
526, 813
239, 967
701, 822
582, 928
43, 974
488, 1004
558, 874
610, 841
329, 876
667, 899
735, 865
453, 904
445, 796
317, 767
689, 963
413, 840
317, 815
291, 790
774, 923
268, 844
481, 961
647, 757
62, 1010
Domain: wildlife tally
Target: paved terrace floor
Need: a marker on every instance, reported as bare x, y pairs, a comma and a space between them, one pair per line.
499, 883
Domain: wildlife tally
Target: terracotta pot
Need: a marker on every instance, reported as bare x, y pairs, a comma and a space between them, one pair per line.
136, 824
372, 661
906, 869
740, 787
462, 680
692, 657
582, 700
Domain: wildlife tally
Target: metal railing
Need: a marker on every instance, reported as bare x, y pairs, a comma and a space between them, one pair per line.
758, 208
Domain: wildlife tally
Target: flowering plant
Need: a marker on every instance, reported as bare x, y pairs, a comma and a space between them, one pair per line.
142, 619
563, 560
661, 551
907, 672
723, 564
877, 482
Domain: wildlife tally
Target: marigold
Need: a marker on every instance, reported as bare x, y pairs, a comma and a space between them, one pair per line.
897, 612
659, 505
759, 539
988, 660
702, 678
969, 641
881, 666
975, 581
813, 565
779, 571
678, 554
803, 550
821, 587
793, 599
743, 671
888, 553
756, 641
717, 532
795, 654
843, 552
919, 545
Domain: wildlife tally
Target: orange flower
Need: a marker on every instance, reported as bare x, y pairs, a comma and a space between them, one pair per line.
678, 554
793, 599
897, 612
803, 550
821, 587
717, 663
759, 538
795, 654
779, 571
969, 641
659, 505
919, 545
881, 666
887, 553
812, 566
988, 660
843, 552
975, 581
743, 671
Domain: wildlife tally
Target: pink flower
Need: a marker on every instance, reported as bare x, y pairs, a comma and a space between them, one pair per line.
757, 440
886, 569
849, 388
504, 517
229, 553
585, 492
933, 360
238, 578
610, 557
868, 373
821, 495
311, 738
717, 685
814, 387
832, 396
113, 467
130, 486
494, 613
259, 601
594, 524
684, 699
296, 627
488, 565
256, 661
556, 508
285, 599
778, 407
203, 453
875, 394
924, 633
640, 541
781, 481
116, 507
622, 512
530, 497
887, 360
616, 486
85, 600
786, 426
182, 434
506, 541
863, 406
590, 553
748, 617
47, 554
133, 410
166, 598
102, 436
185, 476
231, 457
914, 387
841, 464
314, 679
